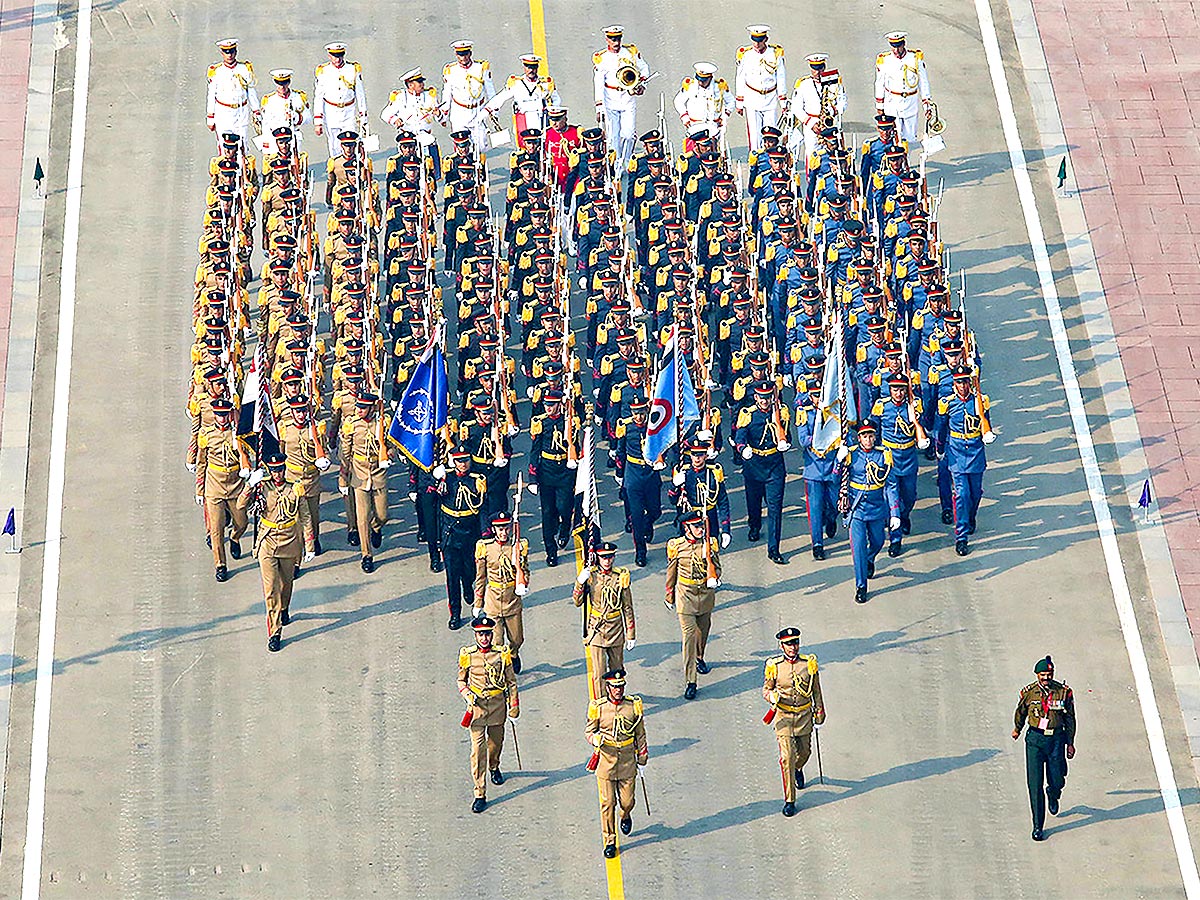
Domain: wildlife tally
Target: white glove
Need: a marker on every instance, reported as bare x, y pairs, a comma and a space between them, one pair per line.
619, 480
894, 523
439, 471
533, 488
843, 454
989, 436
255, 477
783, 446
499, 462
572, 464
773, 697
522, 590
322, 463
243, 473
528, 393
747, 453
641, 770
584, 574
787, 379
385, 463
704, 434
582, 282
640, 313
630, 644
595, 740
309, 556
712, 582
412, 495
923, 443
596, 419
199, 499
191, 467
513, 429
726, 537
344, 490
678, 478
466, 695
476, 612
710, 385
659, 466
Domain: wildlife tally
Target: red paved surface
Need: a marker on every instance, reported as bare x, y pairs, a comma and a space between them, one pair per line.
16, 33
1125, 76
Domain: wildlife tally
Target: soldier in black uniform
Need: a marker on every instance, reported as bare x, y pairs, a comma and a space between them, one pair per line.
462, 493
700, 486
550, 476
1048, 708
761, 443
478, 436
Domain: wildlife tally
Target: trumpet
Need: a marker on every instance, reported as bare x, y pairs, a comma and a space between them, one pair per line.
934, 124
631, 80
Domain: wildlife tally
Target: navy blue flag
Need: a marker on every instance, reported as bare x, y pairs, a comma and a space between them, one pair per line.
423, 409
10, 524
1143, 501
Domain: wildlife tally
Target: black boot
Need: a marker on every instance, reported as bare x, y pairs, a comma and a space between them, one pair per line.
1038, 834
455, 623
626, 824
800, 779
1052, 805
479, 805
689, 693
789, 809
368, 564
222, 573
436, 565
870, 570
753, 535
497, 776
860, 595
273, 643
552, 557
285, 618
516, 663
376, 538
317, 548
831, 528
640, 558
818, 553
777, 558
352, 538
702, 667
894, 549
235, 549
610, 851
947, 517
961, 548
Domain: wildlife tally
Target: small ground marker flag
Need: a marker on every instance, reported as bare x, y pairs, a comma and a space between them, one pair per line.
1062, 177
1144, 500
39, 176
10, 528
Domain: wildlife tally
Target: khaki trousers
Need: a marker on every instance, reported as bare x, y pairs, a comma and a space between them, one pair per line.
612, 791
695, 639
794, 751
312, 529
515, 629
215, 514
604, 659
371, 515
278, 573
486, 743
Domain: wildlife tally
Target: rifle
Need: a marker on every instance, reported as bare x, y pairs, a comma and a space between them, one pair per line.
844, 480
985, 426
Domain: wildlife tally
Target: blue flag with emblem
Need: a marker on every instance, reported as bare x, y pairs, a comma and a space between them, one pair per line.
673, 406
423, 409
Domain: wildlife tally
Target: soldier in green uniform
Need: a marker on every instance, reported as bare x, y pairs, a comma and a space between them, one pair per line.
1048, 708
793, 688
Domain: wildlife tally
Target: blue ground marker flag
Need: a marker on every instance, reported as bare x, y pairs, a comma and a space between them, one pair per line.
423, 409
10, 528
1144, 500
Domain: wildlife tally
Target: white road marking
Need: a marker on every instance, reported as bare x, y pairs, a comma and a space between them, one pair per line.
40, 751
1087, 454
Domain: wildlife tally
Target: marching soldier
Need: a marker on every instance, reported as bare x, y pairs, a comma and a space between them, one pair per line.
700, 485
219, 465
761, 84
638, 478
339, 98
899, 418
609, 627
462, 492
616, 104
616, 728
365, 459
466, 87
964, 431
283, 515
813, 98
232, 98
704, 101
1048, 708
487, 682
415, 108
501, 580
761, 439
531, 95
901, 85
872, 502
792, 687
303, 441
283, 107
693, 575
551, 471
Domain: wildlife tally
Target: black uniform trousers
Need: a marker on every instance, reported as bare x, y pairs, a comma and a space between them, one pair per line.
556, 490
765, 477
459, 536
1045, 763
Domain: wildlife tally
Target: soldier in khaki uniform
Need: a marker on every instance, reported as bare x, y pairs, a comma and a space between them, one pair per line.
793, 688
303, 441
488, 684
610, 628
616, 728
283, 518
498, 590
218, 483
691, 591
365, 459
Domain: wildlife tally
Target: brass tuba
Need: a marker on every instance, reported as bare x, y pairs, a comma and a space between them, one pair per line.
628, 76
933, 122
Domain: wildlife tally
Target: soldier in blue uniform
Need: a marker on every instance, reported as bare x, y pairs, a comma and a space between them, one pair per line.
873, 503
761, 442
638, 477
963, 424
820, 478
899, 416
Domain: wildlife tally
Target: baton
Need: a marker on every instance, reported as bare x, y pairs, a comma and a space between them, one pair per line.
816, 738
645, 793
517, 746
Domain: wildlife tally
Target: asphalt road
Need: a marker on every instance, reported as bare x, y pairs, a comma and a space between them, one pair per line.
186, 762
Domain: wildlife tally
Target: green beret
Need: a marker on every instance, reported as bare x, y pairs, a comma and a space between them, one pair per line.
1043, 665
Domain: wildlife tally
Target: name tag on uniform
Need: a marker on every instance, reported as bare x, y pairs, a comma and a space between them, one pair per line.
1043, 723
